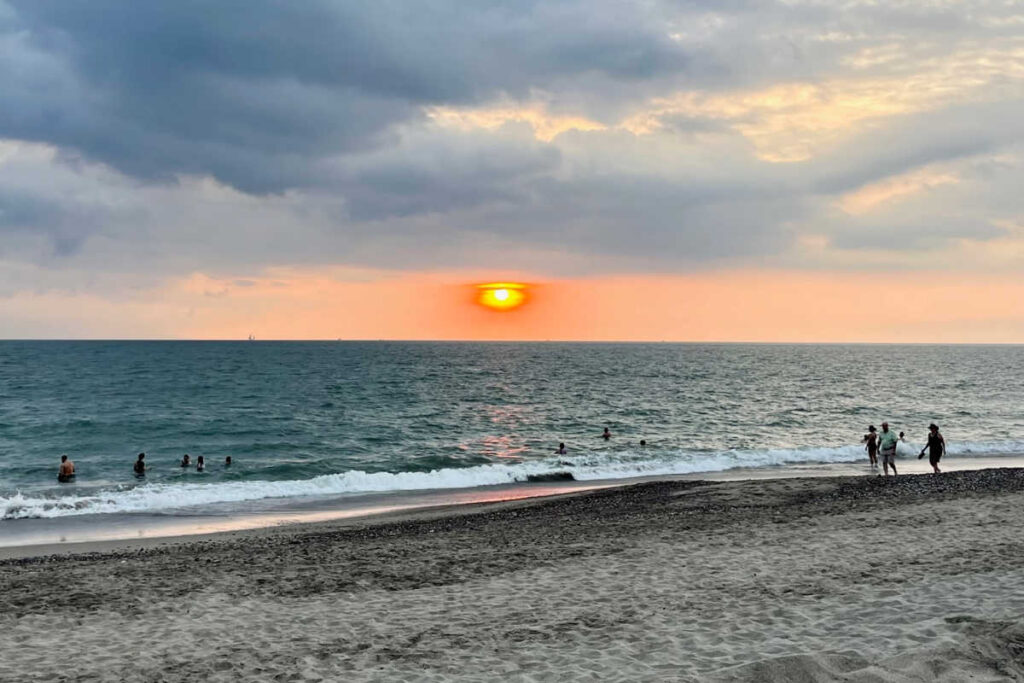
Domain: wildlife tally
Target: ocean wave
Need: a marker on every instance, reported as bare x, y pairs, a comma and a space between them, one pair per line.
158, 497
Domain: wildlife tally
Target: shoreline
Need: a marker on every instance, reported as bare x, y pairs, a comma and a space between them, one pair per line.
839, 578
80, 533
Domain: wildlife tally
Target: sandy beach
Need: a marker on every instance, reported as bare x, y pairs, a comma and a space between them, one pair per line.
824, 579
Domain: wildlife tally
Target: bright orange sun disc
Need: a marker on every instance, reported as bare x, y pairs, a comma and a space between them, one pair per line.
501, 296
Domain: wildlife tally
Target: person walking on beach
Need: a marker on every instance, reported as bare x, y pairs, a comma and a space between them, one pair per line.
871, 444
887, 441
67, 470
936, 447
140, 466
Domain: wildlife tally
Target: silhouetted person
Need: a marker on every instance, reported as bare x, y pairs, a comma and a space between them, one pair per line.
643, 443
607, 434
67, 470
871, 444
936, 447
200, 464
227, 461
140, 466
186, 460
561, 449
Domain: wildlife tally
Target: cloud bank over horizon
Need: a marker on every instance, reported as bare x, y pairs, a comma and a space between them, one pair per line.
144, 142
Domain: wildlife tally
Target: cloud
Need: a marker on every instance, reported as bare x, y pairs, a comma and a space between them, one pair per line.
894, 188
160, 139
255, 94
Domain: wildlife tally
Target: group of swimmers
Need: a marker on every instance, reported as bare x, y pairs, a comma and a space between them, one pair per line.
606, 435
885, 443
66, 473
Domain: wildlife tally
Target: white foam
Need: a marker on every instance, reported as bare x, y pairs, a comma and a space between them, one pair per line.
158, 497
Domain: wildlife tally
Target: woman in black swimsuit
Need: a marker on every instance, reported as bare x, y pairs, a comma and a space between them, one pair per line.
871, 439
936, 447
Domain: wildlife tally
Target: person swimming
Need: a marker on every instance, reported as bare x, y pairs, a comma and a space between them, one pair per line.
140, 466
607, 434
200, 464
643, 443
186, 460
67, 470
561, 449
227, 461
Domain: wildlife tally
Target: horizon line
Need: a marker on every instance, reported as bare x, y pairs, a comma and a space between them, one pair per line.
511, 341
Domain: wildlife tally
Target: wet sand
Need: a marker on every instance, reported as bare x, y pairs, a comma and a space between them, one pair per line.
817, 579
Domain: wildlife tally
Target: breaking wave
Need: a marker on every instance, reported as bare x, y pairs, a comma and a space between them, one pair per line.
159, 497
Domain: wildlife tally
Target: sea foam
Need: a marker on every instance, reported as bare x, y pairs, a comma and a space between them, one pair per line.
160, 497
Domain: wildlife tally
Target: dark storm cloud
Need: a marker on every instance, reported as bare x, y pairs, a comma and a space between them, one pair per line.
319, 113
255, 93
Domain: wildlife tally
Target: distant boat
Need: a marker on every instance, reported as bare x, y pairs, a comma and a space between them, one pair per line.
252, 337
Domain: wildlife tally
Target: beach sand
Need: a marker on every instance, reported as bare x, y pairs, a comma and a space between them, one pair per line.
826, 579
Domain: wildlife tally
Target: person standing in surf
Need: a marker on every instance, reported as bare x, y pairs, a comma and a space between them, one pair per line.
887, 441
871, 444
936, 447
67, 470
140, 466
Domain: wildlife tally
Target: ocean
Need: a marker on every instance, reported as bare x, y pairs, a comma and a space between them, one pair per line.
335, 419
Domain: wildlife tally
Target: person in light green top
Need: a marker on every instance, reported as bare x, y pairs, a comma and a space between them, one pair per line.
887, 441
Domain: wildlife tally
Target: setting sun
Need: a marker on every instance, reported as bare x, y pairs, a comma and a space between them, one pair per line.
501, 296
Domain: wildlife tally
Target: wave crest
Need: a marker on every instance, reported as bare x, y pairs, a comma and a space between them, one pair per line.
158, 497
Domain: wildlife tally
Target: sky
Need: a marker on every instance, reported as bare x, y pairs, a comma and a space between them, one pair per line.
664, 170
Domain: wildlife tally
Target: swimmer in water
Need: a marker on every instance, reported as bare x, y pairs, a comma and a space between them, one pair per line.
200, 464
227, 461
561, 449
643, 443
186, 460
140, 466
67, 470
607, 434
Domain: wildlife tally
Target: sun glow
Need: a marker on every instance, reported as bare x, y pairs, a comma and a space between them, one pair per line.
501, 296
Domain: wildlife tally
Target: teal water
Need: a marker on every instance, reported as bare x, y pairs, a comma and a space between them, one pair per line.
306, 419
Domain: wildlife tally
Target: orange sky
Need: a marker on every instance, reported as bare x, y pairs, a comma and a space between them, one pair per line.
771, 306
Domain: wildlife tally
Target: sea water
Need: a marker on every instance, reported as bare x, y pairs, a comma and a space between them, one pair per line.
306, 419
